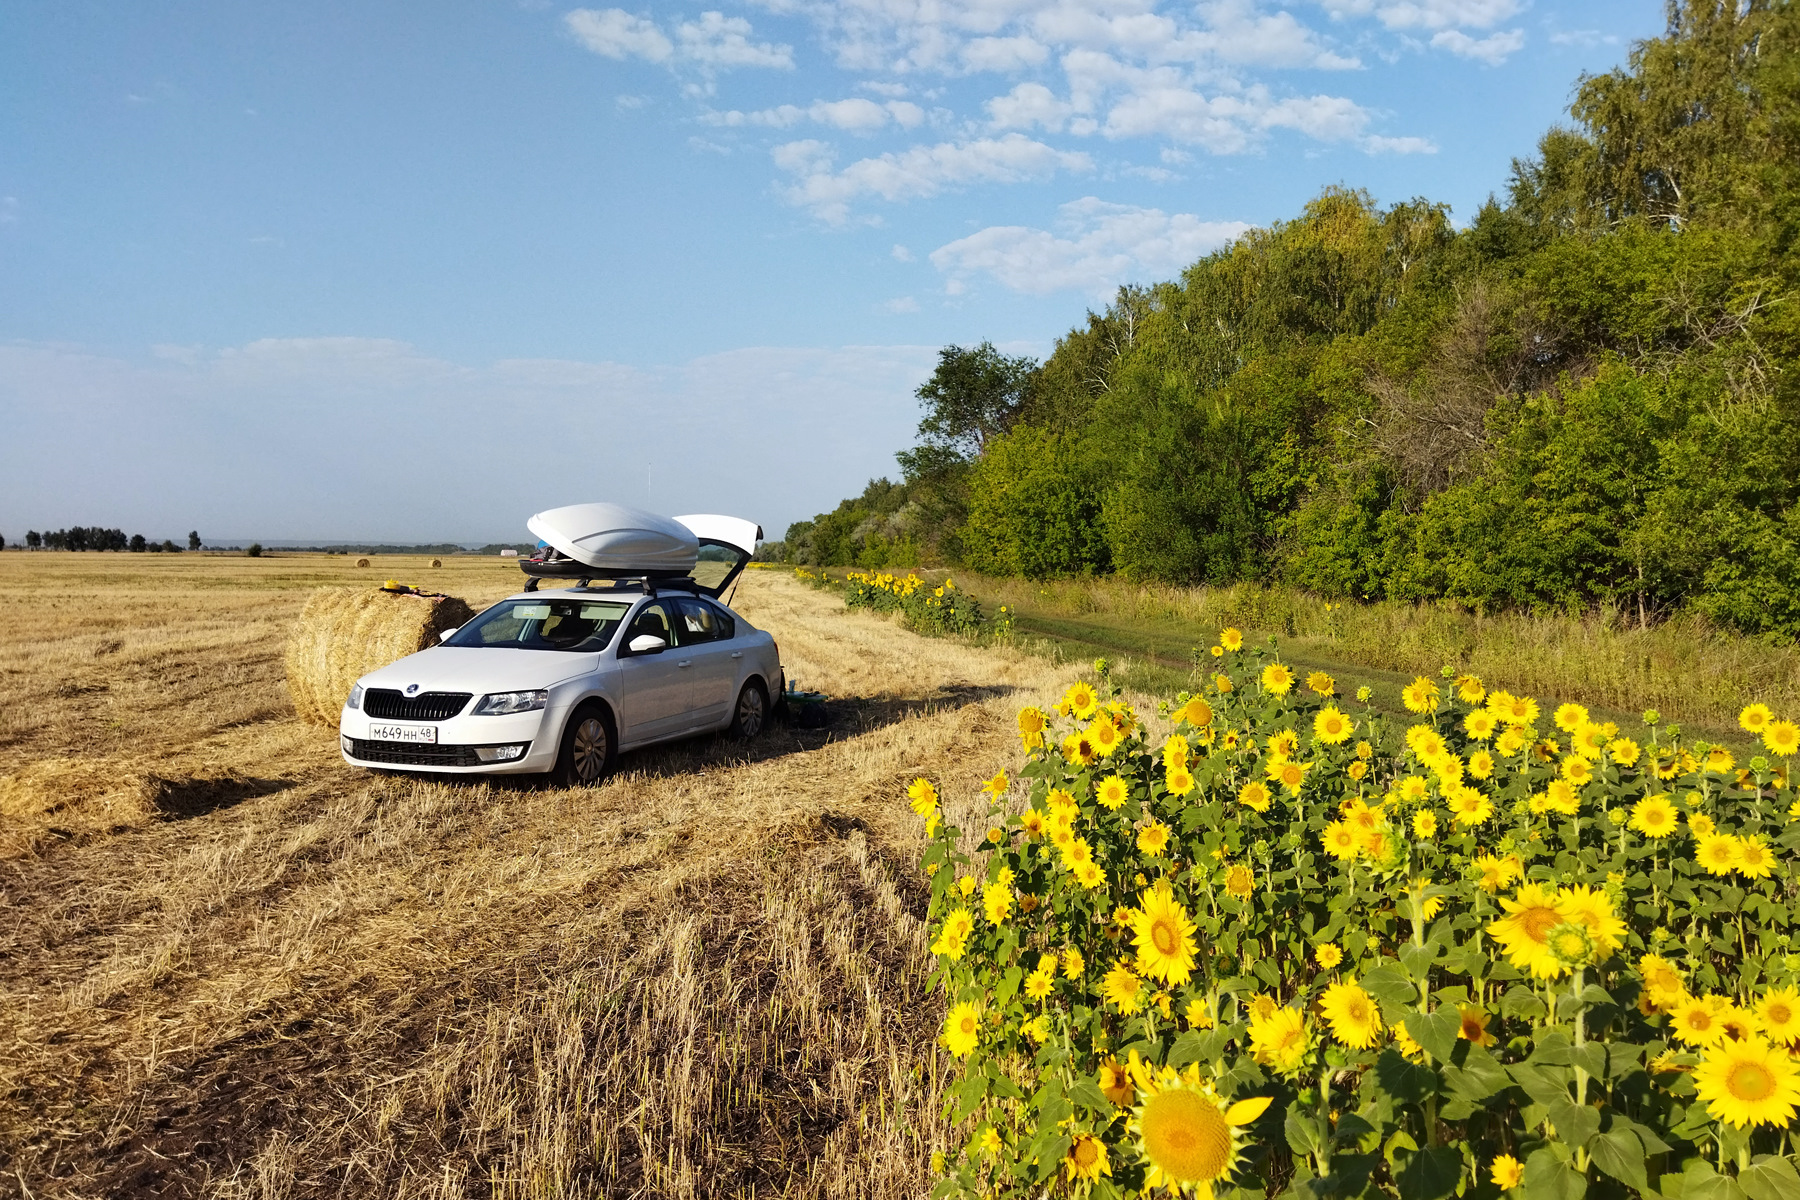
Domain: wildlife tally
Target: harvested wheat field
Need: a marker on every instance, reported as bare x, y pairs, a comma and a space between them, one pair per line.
232, 966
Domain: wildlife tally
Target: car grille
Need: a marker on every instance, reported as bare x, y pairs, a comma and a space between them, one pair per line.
415, 754
387, 704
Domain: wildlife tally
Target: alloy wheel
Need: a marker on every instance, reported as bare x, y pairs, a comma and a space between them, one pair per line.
588, 752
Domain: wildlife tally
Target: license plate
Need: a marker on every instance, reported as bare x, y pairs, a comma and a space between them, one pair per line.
403, 733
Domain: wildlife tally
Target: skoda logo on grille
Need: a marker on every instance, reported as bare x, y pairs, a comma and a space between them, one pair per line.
412, 689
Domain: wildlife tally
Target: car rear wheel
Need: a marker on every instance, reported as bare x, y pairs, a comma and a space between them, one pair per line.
588, 748
751, 713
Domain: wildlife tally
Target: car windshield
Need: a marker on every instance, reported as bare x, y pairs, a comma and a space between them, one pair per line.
546, 624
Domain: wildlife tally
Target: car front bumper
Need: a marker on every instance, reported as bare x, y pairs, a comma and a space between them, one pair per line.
459, 743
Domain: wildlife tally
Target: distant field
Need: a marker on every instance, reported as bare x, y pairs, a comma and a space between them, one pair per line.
232, 966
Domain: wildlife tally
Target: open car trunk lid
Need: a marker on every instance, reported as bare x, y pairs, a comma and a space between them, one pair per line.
612, 541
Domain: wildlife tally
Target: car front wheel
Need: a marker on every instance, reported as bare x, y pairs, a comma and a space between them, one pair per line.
751, 713
587, 748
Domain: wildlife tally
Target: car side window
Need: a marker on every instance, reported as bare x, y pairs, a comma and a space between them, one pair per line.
652, 619
723, 623
696, 622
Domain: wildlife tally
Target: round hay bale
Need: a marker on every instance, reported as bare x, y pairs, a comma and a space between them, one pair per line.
362, 562
344, 633
437, 562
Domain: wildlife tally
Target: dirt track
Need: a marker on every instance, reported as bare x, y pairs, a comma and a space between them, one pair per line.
283, 977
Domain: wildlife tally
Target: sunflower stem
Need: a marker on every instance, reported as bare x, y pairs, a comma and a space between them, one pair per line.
1576, 987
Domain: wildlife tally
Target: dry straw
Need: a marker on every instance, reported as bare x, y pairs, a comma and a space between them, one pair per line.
344, 633
362, 562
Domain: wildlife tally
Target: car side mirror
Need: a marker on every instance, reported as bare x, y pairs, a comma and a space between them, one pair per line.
646, 643
445, 636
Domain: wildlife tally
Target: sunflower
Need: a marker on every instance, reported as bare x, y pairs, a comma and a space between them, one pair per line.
1331, 726
1196, 712
1779, 1011
1481, 764
1661, 980
1086, 1160
1153, 838
1507, 1172
1365, 751
1510, 742
1341, 841
1179, 780
1198, 1015
1081, 699
1290, 775
1577, 770
1031, 720
1469, 689
1755, 718
1594, 912
1424, 824
1279, 1040
1755, 859
1695, 1020
1277, 679
962, 1028
1718, 853
1469, 806
1327, 955
1190, 1142
1357, 769
1039, 983
1496, 873
1624, 751
1089, 875
1720, 761
1240, 881
1232, 640
1255, 795
1224, 684
1105, 737
1408, 1048
1782, 737
1748, 1083
1112, 792
1164, 937
1525, 931
1473, 1026
1425, 742
1412, 789
1122, 989
1517, 711
997, 902
1072, 963
922, 796
1077, 853
1079, 750
988, 1141
1355, 1021
1480, 724
1654, 816
1420, 696
1175, 752
1570, 717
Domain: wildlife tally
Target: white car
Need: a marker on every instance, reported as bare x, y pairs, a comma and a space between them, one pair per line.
638, 648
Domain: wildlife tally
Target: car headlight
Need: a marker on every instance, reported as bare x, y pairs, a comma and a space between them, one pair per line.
501, 704
355, 700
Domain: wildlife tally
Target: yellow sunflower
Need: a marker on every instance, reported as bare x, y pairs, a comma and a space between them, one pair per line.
1779, 1011
1113, 792
1755, 859
1179, 781
1081, 699
1695, 1020
1748, 1083
1279, 1040
1661, 980
1569, 717
1115, 1083
1331, 726
1424, 824
1624, 751
1232, 640
1290, 775
1496, 873
1189, 1140
1164, 937
1086, 1160
1577, 770
1196, 712
1755, 718
1473, 1026
1255, 795
1105, 737
1524, 933
1341, 841
1420, 696
922, 796
1031, 720
1327, 955
1782, 737
1277, 679
962, 1028
1516, 711
1153, 838
1480, 724
1355, 1021
1123, 990
1654, 816
1507, 1172
1718, 853
1469, 689
1240, 881
1594, 911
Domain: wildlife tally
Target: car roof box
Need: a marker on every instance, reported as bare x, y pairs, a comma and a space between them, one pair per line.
613, 541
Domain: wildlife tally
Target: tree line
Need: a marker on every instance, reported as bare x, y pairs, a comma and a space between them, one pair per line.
1584, 398
94, 537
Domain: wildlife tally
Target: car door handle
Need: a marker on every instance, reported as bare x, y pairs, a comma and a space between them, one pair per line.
737, 654
684, 662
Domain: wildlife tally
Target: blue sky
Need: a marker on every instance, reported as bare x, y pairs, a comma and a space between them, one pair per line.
417, 271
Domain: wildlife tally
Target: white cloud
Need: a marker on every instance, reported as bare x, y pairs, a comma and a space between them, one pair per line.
1097, 246
901, 253
1492, 49
855, 115
714, 41
1003, 55
1238, 32
901, 304
1028, 105
915, 173
1583, 37
9, 209
1429, 14
1399, 145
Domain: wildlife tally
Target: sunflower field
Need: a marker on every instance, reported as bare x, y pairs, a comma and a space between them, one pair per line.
942, 609
1299, 947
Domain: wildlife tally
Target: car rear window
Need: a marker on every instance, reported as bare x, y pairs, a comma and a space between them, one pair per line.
547, 624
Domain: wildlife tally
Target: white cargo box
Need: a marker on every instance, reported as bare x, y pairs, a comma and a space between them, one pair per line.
615, 541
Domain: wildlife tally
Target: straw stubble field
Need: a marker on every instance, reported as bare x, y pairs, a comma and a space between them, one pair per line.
232, 966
